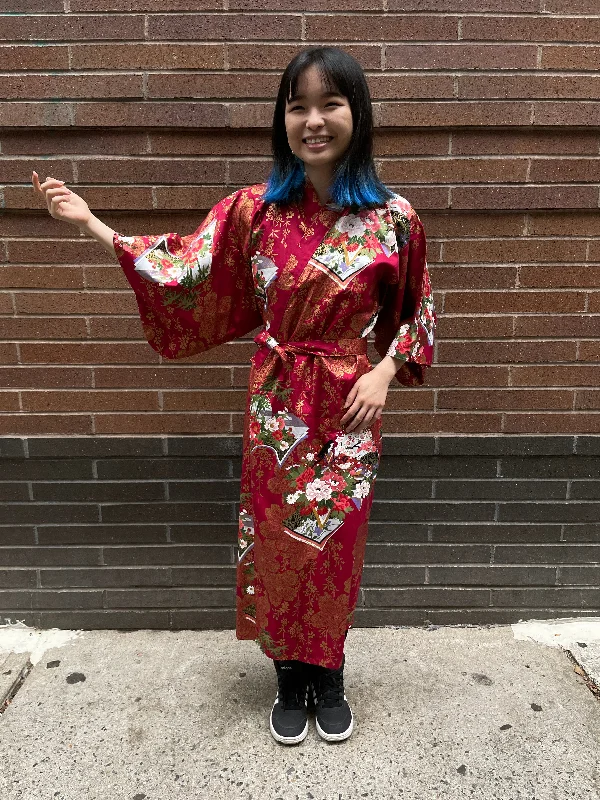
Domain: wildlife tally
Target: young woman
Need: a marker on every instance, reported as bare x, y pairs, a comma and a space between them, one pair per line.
317, 258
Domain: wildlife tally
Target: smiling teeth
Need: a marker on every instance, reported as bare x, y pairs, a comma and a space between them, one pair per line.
318, 139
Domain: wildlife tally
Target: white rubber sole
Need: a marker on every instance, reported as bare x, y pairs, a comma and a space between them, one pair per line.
336, 737
287, 739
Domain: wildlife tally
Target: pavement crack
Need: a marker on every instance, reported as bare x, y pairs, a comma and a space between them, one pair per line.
589, 682
14, 678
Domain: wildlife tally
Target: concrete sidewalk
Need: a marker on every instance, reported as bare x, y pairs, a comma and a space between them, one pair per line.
440, 713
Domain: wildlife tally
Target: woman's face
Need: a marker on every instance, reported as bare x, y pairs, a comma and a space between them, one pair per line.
318, 123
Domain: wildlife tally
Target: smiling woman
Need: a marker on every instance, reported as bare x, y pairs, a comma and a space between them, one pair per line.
318, 258
324, 94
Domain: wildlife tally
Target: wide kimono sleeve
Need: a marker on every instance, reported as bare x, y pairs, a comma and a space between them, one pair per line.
406, 322
195, 292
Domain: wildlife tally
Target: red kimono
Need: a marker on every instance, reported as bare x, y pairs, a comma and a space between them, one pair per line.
317, 279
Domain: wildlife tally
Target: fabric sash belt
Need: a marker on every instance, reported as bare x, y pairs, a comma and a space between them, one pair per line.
338, 347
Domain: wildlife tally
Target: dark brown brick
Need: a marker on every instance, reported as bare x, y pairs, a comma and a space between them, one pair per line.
31, 87
9, 401
34, 114
147, 5
452, 113
566, 277
520, 250
277, 56
531, 197
162, 423
571, 6
505, 400
380, 27
514, 302
469, 327
22, 277
163, 377
589, 351
6, 304
21, 424
209, 85
505, 352
473, 277
579, 422
565, 223
253, 115
31, 57
89, 400
561, 375
528, 86
460, 56
69, 141
201, 400
575, 57
309, 5
148, 56
439, 422
455, 224
153, 171
562, 325
467, 376
566, 113
225, 26
207, 142
531, 29
454, 170
523, 142
406, 142
75, 303
159, 114
8, 353
71, 28
87, 353
587, 399
44, 377
390, 87
449, 6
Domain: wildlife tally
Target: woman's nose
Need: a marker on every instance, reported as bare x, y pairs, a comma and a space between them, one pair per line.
315, 119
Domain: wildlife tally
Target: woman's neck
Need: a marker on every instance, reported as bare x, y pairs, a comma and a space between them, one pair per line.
320, 177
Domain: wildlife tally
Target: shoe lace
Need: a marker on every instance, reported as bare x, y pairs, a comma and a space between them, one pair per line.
330, 689
290, 692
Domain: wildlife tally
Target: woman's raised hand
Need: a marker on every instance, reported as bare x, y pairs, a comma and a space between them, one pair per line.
62, 203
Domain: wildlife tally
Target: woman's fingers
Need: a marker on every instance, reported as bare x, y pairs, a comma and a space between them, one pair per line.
358, 418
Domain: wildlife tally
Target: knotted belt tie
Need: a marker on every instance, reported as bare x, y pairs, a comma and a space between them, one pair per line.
339, 347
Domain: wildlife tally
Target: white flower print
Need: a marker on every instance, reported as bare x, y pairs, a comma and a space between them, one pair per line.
310, 456
352, 225
361, 489
293, 498
272, 424
243, 544
249, 589
318, 490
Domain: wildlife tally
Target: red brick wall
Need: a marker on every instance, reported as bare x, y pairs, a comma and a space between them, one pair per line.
153, 110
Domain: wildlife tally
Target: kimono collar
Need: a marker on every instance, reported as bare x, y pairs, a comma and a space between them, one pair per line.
312, 198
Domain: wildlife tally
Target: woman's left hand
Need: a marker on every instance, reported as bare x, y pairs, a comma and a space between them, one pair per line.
366, 399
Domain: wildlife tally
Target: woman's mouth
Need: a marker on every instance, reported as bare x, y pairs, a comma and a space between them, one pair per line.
317, 142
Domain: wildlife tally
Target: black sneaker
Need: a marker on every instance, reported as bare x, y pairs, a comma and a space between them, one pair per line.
289, 720
334, 716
